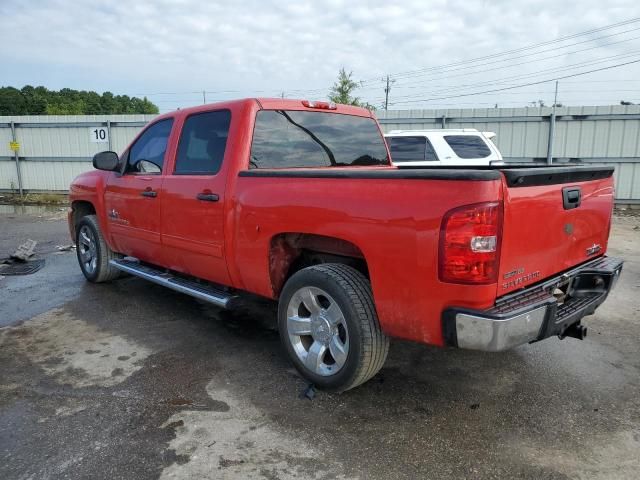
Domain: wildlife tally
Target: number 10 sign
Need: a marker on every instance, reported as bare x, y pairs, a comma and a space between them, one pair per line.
99, 134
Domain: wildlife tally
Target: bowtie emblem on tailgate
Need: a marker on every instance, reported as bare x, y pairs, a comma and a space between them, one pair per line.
593, 249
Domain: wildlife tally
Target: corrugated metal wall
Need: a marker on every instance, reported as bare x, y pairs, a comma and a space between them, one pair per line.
54, 149
604, 134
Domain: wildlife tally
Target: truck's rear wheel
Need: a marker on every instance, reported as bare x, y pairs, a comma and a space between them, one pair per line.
329, 326
93, 252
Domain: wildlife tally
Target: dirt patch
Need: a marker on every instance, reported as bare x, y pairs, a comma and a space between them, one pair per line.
613, 456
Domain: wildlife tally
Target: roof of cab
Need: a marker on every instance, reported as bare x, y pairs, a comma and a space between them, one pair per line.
296, 104
271, 104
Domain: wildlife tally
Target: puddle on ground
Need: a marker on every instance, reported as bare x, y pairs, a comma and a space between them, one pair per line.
73, 351
239, 442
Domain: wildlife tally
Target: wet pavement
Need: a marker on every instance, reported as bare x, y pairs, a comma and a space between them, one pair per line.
130, 380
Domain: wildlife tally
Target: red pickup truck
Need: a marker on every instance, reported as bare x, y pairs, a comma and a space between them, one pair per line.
297, 201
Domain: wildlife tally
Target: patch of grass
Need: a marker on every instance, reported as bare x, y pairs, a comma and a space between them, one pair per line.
35, 198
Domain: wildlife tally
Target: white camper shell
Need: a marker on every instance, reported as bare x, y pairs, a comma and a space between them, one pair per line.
442, 147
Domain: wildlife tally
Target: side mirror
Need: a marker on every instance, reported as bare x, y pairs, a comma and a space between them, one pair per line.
108, 161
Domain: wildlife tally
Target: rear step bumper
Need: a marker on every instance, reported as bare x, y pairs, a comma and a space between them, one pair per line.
534, 313
203, 291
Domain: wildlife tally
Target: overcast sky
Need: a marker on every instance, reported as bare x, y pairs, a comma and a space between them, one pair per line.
168, 50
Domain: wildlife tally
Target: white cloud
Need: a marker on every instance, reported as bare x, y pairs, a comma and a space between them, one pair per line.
265, 47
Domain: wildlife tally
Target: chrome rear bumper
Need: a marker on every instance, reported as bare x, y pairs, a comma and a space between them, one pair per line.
534, 313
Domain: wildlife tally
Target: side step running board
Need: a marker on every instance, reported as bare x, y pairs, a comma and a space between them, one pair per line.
195, 289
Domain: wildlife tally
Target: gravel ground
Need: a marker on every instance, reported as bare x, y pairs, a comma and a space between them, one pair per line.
129, 380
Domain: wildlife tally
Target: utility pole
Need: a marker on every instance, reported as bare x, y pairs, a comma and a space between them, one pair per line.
386, 93
552, 127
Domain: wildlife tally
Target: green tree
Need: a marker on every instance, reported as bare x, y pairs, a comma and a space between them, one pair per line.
343, 91
35, 103
12, 102
41, 101
92, 104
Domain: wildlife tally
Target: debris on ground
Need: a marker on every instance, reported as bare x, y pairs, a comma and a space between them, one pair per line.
65, 248
309, 392
12, 266
24, 251
1, 277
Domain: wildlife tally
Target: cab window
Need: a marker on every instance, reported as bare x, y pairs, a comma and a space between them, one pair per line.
146, 155
202, 143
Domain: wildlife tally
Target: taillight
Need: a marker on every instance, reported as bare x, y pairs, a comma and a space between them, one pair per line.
470, 244
320, 105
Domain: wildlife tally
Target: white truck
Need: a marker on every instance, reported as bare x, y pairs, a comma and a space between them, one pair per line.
446, 147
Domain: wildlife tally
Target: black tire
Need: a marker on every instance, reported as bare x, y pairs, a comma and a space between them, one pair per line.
351, 291
103, 271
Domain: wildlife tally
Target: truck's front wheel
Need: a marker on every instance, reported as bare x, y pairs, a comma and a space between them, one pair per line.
93, 252
329, 326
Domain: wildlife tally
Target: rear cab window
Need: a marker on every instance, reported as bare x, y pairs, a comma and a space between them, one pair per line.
411, 149
468, 146
299, 139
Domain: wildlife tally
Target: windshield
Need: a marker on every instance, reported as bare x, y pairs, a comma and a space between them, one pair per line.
291, 139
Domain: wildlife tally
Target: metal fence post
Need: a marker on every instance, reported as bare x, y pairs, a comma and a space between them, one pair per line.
552, 127
15, 155
109, 133
552, 133
444, 122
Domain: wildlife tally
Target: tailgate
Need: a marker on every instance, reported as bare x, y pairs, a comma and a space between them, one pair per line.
554, 218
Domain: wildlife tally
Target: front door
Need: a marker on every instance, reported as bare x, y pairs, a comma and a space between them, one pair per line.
133, 199
193, 199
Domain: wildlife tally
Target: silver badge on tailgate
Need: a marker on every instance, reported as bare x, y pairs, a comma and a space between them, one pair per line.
593, 249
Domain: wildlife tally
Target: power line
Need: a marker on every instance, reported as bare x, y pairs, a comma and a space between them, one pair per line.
446, 74
567, 93
524, 84
517, 50
423, 71
527, 75
538, 53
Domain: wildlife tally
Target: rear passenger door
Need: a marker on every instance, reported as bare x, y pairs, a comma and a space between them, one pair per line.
193, 195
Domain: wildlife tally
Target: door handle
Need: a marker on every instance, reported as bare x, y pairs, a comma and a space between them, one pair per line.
149, 193
208, 197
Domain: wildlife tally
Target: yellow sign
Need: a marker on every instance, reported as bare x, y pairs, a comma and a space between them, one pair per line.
15, 146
